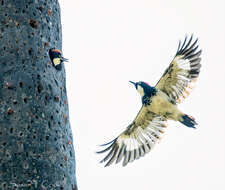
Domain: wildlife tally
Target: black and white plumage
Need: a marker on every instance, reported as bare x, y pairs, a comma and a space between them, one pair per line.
159, 104
182, 72
56, 58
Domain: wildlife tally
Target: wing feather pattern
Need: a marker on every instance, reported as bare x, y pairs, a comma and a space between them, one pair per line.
178, 79
137, 140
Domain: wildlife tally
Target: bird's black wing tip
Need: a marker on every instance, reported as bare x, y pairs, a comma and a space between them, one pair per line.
188, 47
108, 143
106, 149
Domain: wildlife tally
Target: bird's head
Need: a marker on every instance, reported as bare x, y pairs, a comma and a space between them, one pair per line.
141, 87
56, 58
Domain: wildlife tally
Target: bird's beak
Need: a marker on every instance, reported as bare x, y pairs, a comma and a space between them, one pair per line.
133, 83
64, 59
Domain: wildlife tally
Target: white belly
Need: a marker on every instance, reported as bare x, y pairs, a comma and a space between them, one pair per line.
160, 105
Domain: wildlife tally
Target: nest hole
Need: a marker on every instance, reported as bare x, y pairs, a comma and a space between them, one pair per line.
50, 87
40, 8
33, 23
30, 51
25, 100
11, 130
56, 82
21, 84
39, 88
46, 97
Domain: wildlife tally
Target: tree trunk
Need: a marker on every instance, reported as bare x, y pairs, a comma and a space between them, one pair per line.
36, 148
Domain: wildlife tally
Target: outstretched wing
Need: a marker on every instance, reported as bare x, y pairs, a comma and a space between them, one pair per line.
137, 140
182, 72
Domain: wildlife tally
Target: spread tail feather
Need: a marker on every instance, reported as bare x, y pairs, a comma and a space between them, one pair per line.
189, 121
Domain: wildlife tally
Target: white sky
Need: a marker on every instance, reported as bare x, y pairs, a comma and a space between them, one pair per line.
110, 42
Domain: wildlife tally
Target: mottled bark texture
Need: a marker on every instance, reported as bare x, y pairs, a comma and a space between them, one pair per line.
36, 148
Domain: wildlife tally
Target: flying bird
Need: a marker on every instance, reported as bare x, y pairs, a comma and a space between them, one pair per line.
56, 58
159, 104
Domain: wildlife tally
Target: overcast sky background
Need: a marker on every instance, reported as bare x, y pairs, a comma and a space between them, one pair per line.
111, 42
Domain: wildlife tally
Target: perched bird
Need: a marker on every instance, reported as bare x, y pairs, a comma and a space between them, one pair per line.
159, 104
56, 58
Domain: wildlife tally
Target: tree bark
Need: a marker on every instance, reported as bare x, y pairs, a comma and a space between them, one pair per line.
36, 146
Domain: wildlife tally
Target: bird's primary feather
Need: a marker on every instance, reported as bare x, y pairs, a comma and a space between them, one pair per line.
137, 140
177, 81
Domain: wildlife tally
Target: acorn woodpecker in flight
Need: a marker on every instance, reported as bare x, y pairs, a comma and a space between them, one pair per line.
56, 58
159, 104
